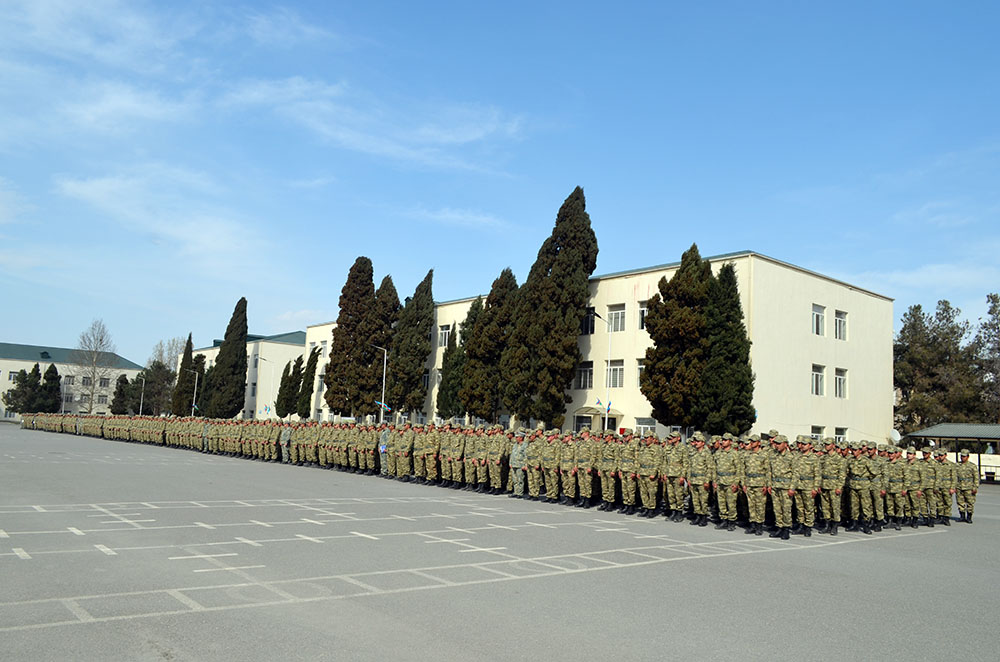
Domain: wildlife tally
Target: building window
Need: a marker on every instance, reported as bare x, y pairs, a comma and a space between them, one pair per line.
86, 381
643, 309
580, 422
256, 361
437, 377
840, 383
816, 432
644, 425
322, 349
616, 318
9, 414
817, 379
319, 415
102, 399
11, 375
425, 379
585, 375
587, 323
819, 320
840, 325
839, 434
640, 367
105, 382
67, 397
616, 374
443, 332
68, 380
84, 397
253, 390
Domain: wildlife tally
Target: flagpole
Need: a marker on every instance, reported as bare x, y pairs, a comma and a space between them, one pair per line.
607, 373
381, 411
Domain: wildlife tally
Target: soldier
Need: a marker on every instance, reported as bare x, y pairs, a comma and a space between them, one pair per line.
628, 469
567, 468
673, 475
808, 482
607, 466
533, 457
859, 478
495, 441
783, 483
649, 472
584, 451
432, 453
945, 470
876, 460
756, 484
419, 454
404, 452
895, 480
833, 476
383, 450
550, 464
966, 485
727, 482
457, 457
913, 487
518, 465
701, 475
928, 485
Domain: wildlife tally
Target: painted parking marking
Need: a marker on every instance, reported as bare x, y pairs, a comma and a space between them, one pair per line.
75, 531
252, 543
21, 554
253, 521
203, 525
106, 550
364, 535
227, 569
200, 556
312, 521
3, 534
185, 600
310, 539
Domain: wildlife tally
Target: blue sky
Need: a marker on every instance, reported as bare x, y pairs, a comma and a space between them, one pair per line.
160, 160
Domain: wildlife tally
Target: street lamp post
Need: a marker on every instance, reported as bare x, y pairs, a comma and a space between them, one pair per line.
381, 409
607, 373
194, 397
142, 394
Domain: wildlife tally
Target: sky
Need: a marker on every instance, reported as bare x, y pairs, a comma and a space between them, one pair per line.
159, 160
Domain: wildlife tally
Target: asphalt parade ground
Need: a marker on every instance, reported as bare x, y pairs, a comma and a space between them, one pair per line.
121, 551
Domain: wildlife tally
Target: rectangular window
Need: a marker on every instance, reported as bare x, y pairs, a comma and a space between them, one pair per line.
102, 399
86, 381
105, 382
819, 320
319, 415
816, 432
256, 361
67, 397
817, 379
640, 367
322, 349
68, 380
643, 309
616, 318
425, 379
84, 397
644, 425
253, 390
840, 383
840, 325
11, 375
443, 332
9, 414
839, 434
587, 323
616, 374
580, 422
585, 375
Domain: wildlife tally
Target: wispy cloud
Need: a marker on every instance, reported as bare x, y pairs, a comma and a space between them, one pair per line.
11, 203
283, 27
465, 218
114, 106
940, 214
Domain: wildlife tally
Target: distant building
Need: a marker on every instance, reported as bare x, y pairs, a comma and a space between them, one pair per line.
76, 389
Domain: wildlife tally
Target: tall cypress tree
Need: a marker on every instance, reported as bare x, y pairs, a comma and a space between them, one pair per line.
180, 401
485, 342
725, 402
288, 392
676, 321
542, 355
201, 377
410, 348
226, 384
348, 370
384, 319
24, 397
50, 394
281, 401
303, 401
120, 400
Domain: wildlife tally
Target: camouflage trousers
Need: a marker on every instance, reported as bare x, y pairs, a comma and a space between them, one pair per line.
914, 503
390, 464
966, 501
805, 506
403, 465
628, 481
534, 481
648, 486
607, 486
420, 466
879, 502
895, 504
551, 484
944, 503
569, 483
756, 504
456, 466
861, 503
585, 483
517, 481
726, 498
782, 505
673, 493
930, 502
830, 502
470, 472
496, 474
699, 498
431, 464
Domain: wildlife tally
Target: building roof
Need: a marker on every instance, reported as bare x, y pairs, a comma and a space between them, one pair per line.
728, 256
288, 338
959, 431
42, 354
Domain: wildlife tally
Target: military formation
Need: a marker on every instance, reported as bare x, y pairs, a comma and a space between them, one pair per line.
754, 482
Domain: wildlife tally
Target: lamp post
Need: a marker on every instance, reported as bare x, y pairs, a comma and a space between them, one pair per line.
194, 397
607, 373
142, 394
381, 409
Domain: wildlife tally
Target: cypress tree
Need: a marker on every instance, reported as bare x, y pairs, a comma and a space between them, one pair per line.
676, 321
385, 318
484, 343
542, 355
23, 396
303, 401
33, 389
348, 370
725, 403
226, 384
281, 401
180, 401
294, 386
200, 379
410, 348
50, 394
119, 402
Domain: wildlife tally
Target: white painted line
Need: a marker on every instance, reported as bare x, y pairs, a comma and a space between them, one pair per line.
39, 509
312, 521
500, 526
494, 570
200, 556
3, 534
75, 531
408, 519
253, 543
316, 540
149, 505
253, 521
244, 503
206, 526
547, 526
198, 504
106, 550
425, 575
452, 540
21, 554
482, 549
77, 610
238, 567
183, 599
364, 535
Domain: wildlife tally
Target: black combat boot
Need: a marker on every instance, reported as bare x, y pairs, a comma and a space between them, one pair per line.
776, 533
946, 520
807, 531
731, 525
877, 526
797, 528
833, 528
826, 527
784, 533
968, 518
865, 528
703, 521
929, 521
853, 526
721, 525
895, 523
760, 529
751, 528
588, 503
914, 522
961, 516
601, 507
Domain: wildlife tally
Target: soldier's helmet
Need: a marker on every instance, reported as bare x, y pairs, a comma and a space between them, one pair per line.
772, 433
540, 426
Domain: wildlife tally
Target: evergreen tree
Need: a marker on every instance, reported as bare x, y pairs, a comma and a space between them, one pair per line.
453, 363
281, 400
484, 343
120, 400
410, 348
725, 402
348, 372
23, 397
987, 350
542, 355
303, 400
201, 376
288, 392
226, 384
50, 394
150, 392
677, 325
180, 401
385, 319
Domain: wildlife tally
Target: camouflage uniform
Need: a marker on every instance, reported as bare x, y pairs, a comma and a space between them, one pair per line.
518, 462
756, 484
808, 482
673, 474
700, 476
607, 466
967, 486
649, 457
728, 478
945, 470
783, 481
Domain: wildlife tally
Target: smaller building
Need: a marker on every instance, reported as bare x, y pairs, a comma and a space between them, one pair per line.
84, 389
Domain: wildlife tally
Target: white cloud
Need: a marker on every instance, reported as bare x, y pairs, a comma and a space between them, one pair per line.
940, 214
279, 92
282, 27
466, 218
11, 203
112, 106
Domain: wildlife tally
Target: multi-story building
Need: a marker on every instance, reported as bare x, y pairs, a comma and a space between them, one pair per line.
84, 389
266, 359
821, 350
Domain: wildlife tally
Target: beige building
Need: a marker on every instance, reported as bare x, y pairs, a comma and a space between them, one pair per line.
77, 382
821, 350
266, 359
320, 335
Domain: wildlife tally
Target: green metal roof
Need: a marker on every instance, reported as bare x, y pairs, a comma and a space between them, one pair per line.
959, 431
44, 355
288, 338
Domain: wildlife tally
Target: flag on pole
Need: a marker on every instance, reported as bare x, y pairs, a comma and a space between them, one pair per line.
383, 405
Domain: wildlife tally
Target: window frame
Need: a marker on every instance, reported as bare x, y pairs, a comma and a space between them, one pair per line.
818, 380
